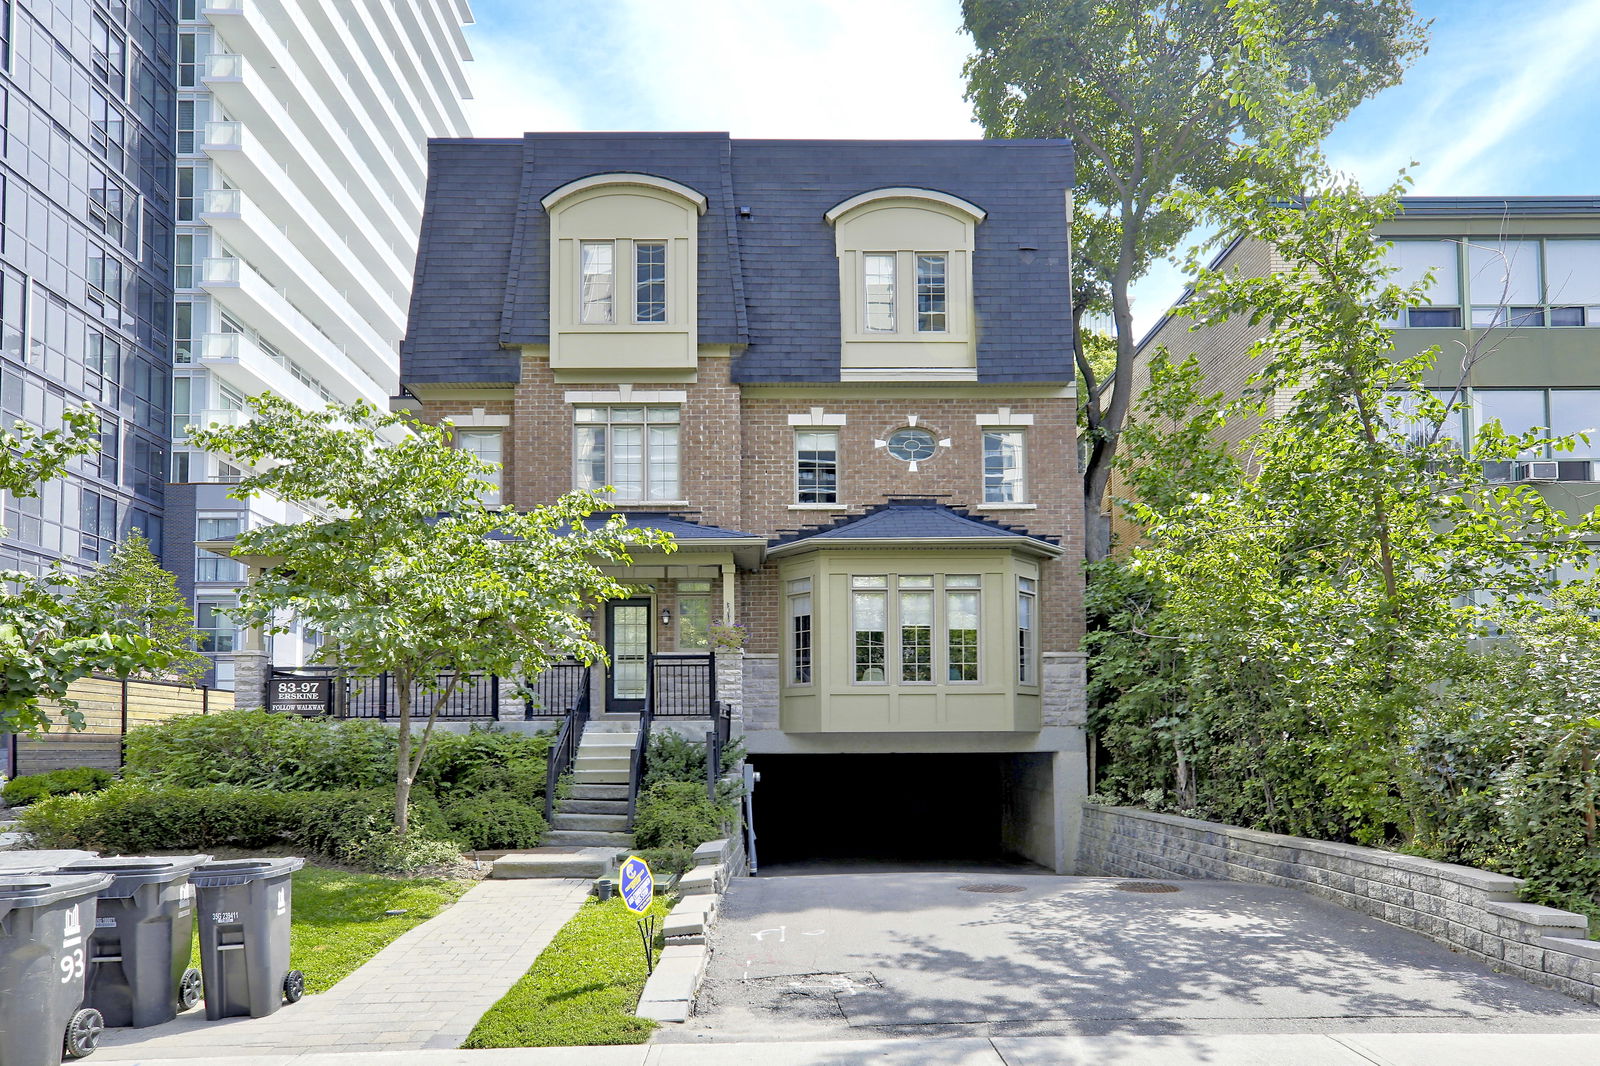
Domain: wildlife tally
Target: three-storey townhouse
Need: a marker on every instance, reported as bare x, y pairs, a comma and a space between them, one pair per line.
839, 373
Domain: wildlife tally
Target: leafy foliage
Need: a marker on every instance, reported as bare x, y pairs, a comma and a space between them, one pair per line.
32, 787
133, 592
498, 820
1148, 95
404, 568
673, 757
348, 827
679, 814
46, 641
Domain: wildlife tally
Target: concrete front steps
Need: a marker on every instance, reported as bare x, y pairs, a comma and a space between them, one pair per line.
591, 824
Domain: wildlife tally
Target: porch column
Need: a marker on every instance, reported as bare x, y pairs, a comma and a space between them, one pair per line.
730, 661
250, 662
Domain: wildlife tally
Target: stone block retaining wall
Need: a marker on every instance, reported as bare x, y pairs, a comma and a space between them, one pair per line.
1471, 911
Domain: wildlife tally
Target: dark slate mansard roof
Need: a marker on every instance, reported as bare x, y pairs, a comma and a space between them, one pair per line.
767, 279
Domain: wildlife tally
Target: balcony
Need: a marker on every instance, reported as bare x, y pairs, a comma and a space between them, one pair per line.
346, 234
239, 288
315, 146
345, 301
244, 364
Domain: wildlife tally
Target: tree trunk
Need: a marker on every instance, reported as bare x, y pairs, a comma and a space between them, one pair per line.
403, 775
1103, 449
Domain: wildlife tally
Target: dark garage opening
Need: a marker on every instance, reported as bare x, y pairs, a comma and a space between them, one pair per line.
895, 809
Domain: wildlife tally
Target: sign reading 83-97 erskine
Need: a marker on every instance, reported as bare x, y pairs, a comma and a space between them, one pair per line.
309, 695
636, 884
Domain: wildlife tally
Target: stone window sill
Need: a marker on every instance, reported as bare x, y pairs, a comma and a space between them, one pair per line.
818, 507
1006, 507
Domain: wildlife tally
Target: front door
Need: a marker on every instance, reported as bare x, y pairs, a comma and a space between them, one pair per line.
628, 645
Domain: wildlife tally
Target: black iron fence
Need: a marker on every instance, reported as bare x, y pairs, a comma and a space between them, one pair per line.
472, 697
564, 752
683, 684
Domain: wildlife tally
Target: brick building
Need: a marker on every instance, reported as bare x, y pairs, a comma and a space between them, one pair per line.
838, 372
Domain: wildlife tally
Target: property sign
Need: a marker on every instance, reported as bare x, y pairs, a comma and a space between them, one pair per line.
636, 884
307, 695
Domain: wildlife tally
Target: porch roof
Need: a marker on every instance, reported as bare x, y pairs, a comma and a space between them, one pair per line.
914, 523
746, 548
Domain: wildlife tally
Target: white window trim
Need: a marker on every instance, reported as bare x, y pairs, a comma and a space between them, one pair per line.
477, 420
817, 417
1004, 419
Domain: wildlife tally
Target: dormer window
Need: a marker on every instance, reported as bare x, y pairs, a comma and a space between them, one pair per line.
597, 280
905, 285
622, 273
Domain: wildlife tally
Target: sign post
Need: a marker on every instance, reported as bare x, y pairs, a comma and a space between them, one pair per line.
638, 890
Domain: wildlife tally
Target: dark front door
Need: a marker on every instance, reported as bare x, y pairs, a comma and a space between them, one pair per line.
628, 645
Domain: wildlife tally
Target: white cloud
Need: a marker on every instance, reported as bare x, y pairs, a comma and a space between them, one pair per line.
1465, 101
512, 95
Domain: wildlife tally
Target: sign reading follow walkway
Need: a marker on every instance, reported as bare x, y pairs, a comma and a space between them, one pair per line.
636, 884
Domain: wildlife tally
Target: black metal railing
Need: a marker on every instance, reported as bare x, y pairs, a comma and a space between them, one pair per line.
716, 743
564, 752
683, 684
556, 692
641, 742
472, 696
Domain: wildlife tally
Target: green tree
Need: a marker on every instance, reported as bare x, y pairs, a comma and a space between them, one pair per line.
46, 641
1323, 605
1147, 94
403, 568
132, 591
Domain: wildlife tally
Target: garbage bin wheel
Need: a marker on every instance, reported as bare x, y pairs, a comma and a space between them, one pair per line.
83, 1033
294, 986
189, 989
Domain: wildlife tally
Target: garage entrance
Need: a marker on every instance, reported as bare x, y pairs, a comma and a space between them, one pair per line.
923, 810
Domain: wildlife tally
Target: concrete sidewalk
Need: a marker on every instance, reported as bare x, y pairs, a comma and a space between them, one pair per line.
427, 989
1365, 1049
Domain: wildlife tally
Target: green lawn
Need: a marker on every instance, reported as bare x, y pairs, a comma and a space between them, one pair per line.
582, 988
338, 921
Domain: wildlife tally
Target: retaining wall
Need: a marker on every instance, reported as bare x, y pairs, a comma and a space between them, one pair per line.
1471, 911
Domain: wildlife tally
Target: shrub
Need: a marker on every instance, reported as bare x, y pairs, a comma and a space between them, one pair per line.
20, 791
349, 826
492, 821
259, 749
664, 863
672, 757
678, 814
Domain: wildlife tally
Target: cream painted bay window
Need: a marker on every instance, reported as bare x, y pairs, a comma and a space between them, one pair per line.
916, 629
632, 449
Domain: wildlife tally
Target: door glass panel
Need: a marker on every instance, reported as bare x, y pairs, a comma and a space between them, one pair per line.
630, 650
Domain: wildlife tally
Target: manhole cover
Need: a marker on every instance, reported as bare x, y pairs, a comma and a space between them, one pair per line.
1143, 886
994, 888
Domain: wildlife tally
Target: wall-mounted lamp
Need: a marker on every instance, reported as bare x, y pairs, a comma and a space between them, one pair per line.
666, 617
587, 614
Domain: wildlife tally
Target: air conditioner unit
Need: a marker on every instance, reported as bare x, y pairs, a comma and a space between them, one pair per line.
1541, 471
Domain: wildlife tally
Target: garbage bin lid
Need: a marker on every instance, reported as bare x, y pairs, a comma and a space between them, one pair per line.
132, 872
243, 871
22, 890
42, 859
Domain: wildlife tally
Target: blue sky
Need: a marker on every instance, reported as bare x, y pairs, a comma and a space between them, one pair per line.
1505, 101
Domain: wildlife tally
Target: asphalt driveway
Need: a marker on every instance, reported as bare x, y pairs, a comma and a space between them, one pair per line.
1008, 952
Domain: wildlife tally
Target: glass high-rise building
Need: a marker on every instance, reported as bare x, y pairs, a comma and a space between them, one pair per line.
87, 106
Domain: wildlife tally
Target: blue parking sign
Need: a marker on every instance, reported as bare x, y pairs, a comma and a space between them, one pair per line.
636, 884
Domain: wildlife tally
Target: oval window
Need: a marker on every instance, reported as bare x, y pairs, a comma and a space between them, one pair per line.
910, 445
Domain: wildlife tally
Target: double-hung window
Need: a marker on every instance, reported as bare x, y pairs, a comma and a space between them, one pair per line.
598, 288
880, 276
869, 625
1027, 630
1003, 469
800, 631
633, 449
961, 627
816, 466
486, 445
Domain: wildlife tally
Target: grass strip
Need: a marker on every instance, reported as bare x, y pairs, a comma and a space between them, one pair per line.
582, 988
338, 919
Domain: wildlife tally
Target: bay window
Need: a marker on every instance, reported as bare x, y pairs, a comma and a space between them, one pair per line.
869, 611
800, 631
1027, 608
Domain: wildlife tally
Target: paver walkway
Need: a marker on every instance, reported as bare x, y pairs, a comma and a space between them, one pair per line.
425, 990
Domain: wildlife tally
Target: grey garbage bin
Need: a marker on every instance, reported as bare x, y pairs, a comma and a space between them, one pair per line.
139, 971
244, 907
45, 923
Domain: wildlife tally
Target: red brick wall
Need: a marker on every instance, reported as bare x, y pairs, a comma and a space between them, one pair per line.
736, 469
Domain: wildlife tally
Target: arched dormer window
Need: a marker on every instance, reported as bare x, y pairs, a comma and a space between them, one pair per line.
905, 284
623, 286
